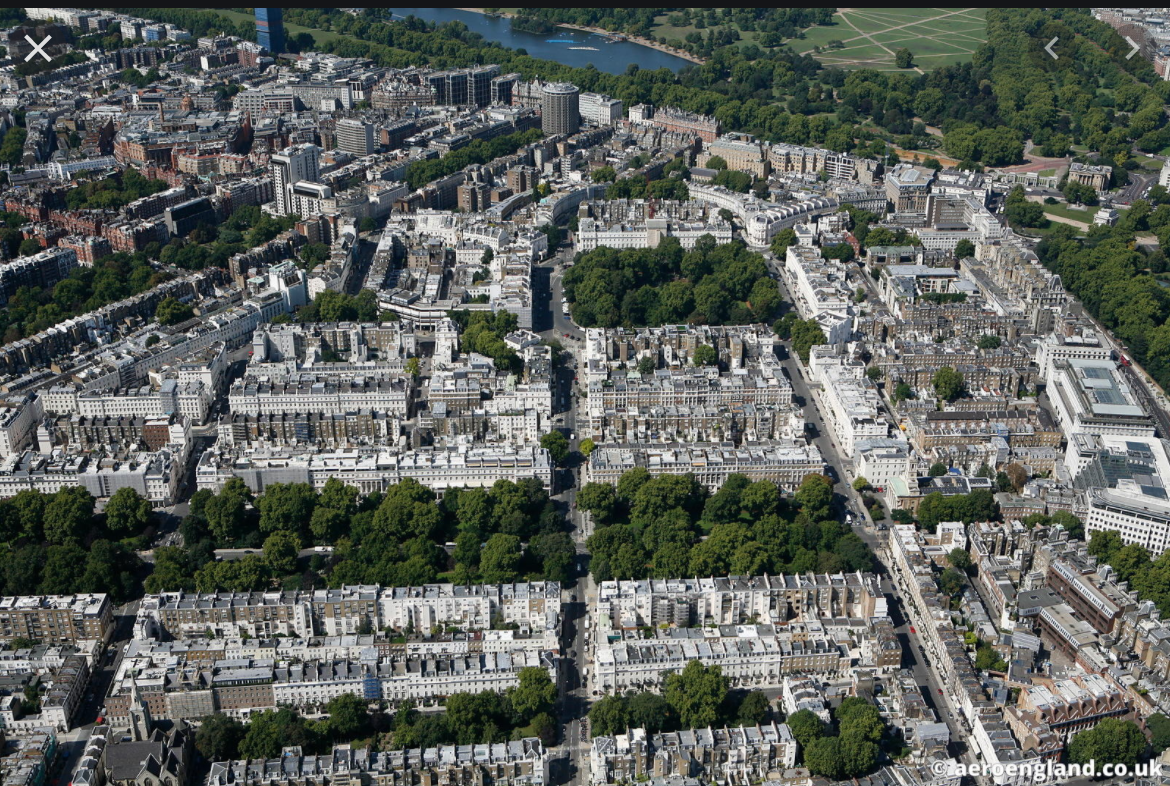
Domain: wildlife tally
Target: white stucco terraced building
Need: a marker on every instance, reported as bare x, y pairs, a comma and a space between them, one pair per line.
190, 687
515, 763
532, 606
733, 600
748, 754
786, 465
372, 469
749, 655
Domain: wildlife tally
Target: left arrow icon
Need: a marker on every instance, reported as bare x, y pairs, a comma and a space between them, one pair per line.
1048, 48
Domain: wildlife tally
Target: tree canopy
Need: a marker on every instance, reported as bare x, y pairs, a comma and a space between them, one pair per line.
650, 528
1111, 740
710, 284
696, 689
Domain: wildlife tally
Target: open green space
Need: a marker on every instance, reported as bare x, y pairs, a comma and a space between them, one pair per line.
1147, 162
868, 38
663, 29
320, 36
1064, 211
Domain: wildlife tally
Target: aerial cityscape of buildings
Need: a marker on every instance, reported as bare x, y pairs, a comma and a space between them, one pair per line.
371, 422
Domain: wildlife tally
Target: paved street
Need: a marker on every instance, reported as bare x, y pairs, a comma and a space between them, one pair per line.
552, 324
73, 744
1135, 189
574, 686
912, 655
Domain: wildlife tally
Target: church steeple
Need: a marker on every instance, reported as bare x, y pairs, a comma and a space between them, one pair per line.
140, 720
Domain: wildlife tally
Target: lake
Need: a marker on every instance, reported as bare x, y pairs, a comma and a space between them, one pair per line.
611, 58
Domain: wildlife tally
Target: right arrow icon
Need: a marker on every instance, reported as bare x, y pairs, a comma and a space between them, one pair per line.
1135, 49
1049, 50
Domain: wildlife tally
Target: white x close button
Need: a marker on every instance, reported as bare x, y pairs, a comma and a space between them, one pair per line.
38, 49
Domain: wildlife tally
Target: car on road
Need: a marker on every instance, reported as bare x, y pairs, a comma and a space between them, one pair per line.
940, 691
912, 629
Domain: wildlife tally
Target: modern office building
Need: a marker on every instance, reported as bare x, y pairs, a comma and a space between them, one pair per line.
182, 219
291, 166
464, 86
600, 109
355, 136
1125, 480
270, 29
560, 108
1095, 397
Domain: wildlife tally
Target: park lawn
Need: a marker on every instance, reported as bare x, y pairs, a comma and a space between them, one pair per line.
1147, 163
822, 35
1064, 211
868, 33
865, 55
931, 53
662, 28
1052, 225
320, 36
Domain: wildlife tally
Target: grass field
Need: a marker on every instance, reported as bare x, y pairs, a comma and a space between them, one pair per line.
663, 28
1064, 211
1148, 163
320, 36
936, 37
